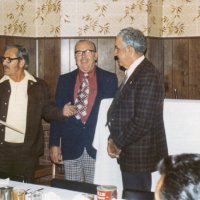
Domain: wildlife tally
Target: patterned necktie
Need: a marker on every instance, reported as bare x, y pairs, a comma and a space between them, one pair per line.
81, 100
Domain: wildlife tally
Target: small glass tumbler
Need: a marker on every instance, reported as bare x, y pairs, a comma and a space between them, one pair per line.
18, 194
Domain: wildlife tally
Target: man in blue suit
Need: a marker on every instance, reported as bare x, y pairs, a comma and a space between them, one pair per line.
77, 134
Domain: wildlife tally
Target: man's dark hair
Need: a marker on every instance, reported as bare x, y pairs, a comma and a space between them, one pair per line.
22, 53
181, 177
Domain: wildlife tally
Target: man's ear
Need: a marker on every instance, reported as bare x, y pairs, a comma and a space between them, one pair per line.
22, 63
131, 50
96, 56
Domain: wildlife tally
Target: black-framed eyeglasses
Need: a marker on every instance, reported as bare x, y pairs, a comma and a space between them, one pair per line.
86, 52
8, 59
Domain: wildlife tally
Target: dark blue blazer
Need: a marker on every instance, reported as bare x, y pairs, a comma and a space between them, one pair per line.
76, 135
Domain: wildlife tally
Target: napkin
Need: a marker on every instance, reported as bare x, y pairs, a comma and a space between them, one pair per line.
4, 181
50, 196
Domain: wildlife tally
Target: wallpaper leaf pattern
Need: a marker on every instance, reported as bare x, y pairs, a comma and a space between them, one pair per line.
66, 18
15, 22
48, 7
133, 9
92, 23
197, 17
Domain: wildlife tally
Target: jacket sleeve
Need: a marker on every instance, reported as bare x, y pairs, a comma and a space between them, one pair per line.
50, 111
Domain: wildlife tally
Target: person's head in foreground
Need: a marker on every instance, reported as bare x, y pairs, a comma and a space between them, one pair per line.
180, 178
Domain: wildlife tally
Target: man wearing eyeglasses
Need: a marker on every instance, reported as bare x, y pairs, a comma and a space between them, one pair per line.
24, 101
92, 84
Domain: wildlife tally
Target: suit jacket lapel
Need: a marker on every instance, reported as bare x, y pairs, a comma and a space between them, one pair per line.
119, 94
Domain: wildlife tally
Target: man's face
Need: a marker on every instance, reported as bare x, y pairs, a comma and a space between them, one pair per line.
122, 53
11, 67
85, 56
158, 187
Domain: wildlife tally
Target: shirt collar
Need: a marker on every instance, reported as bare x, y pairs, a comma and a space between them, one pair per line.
28, 76
133, 66
90, 73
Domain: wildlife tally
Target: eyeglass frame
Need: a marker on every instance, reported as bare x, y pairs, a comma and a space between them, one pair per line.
85, 52
2, 59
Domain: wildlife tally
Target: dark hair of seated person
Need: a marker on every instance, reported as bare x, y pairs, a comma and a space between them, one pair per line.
180, 178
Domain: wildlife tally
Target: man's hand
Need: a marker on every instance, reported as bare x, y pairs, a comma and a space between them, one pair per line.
69, 110
112, 149
55, 154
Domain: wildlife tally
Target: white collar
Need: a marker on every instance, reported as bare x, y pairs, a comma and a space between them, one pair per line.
133, 66
28, 76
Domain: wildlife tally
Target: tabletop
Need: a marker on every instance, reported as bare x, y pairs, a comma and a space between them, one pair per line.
48, 193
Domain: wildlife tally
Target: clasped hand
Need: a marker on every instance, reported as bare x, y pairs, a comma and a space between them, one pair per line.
112, 149
69, 110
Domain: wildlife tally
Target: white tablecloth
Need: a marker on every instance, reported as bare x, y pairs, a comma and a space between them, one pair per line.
182, 125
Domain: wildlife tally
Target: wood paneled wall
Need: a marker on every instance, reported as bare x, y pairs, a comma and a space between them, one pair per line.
178, 60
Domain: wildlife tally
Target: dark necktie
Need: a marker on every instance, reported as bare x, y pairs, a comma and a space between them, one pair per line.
123, 82
81, 101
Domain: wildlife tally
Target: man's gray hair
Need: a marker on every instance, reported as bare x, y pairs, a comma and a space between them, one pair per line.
22, 53
134, 38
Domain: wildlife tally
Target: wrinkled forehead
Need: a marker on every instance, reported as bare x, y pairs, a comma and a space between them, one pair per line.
11, 52
84, 45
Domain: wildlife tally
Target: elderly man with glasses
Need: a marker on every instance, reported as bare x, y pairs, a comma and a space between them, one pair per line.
24, 101
83, 88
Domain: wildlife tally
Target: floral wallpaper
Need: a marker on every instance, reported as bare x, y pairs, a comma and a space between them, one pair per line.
67, 18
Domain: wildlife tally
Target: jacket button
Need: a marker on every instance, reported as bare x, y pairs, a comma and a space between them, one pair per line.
3, 116
5, 103
1, 143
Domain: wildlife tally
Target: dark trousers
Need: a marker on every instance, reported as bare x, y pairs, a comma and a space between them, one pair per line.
137, 181
16, 164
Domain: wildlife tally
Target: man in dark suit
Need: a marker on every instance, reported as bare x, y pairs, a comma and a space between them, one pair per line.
135, 118
77, 131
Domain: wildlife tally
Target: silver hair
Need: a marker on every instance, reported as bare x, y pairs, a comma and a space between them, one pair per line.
134, 38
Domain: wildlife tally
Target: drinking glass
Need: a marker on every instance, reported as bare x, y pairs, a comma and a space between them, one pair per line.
18, 194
